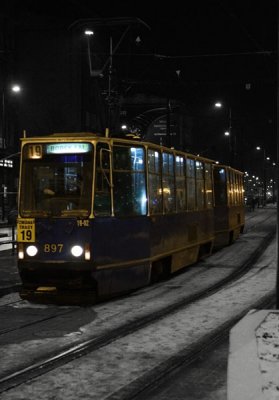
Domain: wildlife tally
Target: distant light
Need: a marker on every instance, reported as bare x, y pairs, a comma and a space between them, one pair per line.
88, 32
258, 148
123, 126
227, 133
16, 88
268, 158
218, 104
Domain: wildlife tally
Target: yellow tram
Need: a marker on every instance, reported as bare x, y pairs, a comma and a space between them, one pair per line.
100, 216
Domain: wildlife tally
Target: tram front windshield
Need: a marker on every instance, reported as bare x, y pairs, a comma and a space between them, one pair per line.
56, 179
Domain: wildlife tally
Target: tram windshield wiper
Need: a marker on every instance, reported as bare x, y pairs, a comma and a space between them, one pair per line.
74, 213
35, 213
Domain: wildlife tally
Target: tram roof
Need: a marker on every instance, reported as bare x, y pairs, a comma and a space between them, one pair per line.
135, 141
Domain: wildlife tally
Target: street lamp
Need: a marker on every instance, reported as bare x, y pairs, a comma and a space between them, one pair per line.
12, 89
15, 88
232, 139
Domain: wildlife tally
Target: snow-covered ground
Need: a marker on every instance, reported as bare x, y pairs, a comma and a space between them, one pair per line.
124, 361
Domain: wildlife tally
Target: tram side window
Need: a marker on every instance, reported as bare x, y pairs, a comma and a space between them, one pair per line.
168, 183
180, 183
237, 190
155, 182
241, 189
129, 181
220, 186
102, 200
200, 184
191, 184
208, 185
240, 192
231, 188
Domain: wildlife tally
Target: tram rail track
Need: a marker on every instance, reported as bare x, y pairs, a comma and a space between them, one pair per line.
139, 388
70, 353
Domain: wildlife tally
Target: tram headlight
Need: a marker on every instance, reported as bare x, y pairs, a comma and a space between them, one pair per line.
31, 250
76, 251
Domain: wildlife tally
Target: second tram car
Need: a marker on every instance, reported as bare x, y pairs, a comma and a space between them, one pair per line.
228, 205
102, 216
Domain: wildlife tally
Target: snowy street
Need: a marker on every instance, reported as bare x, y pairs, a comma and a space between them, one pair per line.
119, 367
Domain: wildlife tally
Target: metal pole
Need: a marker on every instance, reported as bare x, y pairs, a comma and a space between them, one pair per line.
277, 165
3, 120
3, 147
168, 133
232, 139
264, 177
89, 54
109, 89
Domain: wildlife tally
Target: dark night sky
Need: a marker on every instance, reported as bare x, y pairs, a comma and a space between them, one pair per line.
218, 47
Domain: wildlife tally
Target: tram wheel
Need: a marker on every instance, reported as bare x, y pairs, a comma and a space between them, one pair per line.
160, 270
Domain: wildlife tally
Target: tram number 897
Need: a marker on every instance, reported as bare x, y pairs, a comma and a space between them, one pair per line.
53, 247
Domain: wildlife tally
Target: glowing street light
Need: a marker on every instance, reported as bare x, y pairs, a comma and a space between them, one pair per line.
88, 32
16, 88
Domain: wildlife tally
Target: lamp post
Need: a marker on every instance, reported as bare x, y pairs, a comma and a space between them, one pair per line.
89, 33
259, 148
13, 89
232, 138
126, 22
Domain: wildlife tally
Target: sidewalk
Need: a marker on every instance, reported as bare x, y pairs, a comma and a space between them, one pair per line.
253, 369
7, 234
253, 364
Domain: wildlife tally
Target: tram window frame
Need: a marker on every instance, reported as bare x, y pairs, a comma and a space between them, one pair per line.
208, 183
220, 181
102, 198
241, 189
59, 182
155, 191
232, 188
200, 184
191, 183
180, 183
168, 182
129, 201
237, 188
